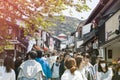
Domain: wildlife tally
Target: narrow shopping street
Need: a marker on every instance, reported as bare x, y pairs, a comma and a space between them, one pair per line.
59, 39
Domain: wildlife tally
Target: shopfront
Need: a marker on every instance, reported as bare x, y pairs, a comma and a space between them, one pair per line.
112, 37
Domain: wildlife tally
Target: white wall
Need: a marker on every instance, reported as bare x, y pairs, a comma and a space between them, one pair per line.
111, 25
86, 28
115, 52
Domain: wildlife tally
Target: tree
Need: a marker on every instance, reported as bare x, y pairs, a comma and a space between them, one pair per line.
33, 12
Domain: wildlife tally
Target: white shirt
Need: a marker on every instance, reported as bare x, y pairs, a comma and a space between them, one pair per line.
6, 75
31, 69
68, 76
52, 60
82, 71
55, 71
105, 76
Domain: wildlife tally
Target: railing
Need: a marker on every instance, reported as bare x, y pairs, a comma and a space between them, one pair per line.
89, 35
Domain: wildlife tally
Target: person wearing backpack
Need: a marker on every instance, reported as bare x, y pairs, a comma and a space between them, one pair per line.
55, 69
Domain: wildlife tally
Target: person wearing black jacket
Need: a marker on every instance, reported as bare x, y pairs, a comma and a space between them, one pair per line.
117, 74
62, 67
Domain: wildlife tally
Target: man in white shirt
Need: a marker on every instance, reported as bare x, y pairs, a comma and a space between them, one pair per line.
31, 69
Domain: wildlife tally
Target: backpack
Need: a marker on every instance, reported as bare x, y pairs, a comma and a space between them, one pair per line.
52, 67
54, 64
55, 70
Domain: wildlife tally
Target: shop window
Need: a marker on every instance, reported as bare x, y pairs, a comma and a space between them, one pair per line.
109, 54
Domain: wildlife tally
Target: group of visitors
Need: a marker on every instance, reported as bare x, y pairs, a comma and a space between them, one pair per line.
58, 66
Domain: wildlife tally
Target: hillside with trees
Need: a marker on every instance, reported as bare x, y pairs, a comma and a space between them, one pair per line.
68, 25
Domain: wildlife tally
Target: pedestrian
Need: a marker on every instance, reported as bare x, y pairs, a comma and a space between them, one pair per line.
104, 72
53, 58
96, 66
89, 69
80, 67
18, 62
71, 73
55, 69
48, 59
45, 66
7, 70
117, 74
118, 61
62, 67
30, 69
74, 54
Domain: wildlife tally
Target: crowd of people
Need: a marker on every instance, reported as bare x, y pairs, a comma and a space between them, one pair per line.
58, 66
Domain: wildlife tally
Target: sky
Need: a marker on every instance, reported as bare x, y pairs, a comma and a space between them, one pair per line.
84, 15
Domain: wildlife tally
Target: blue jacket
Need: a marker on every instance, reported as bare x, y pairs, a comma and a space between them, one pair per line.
45, 66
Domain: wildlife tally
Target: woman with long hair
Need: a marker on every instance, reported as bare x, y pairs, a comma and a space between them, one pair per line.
70, 72
104, 72
7, 72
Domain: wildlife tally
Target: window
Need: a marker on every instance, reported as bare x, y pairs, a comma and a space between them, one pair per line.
109, 54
